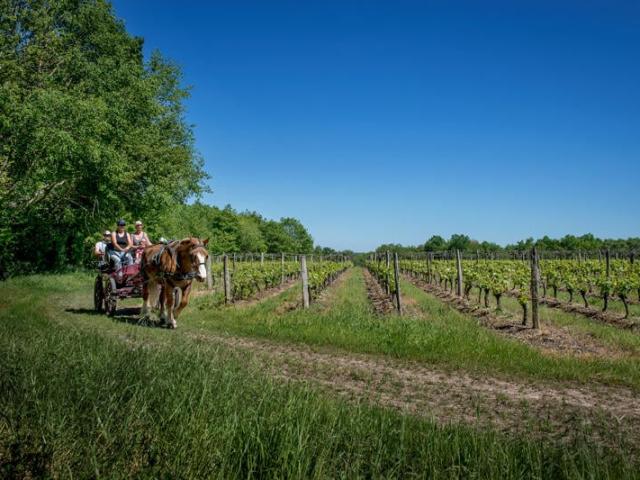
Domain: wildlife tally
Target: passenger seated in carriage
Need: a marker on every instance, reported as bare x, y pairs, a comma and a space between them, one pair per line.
140, 240
101, 249
121, 244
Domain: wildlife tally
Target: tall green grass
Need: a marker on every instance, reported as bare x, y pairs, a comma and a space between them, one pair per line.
442, 336
149, 403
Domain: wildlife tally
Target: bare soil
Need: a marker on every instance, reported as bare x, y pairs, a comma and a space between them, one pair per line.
610, 415
381, 302
549, 338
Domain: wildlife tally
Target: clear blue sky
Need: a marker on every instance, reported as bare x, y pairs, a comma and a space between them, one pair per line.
378, 122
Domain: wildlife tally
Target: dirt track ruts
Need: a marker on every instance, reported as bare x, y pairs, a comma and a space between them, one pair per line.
550, 409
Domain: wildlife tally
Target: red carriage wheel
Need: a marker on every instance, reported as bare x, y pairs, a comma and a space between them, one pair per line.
111, 297
98, 294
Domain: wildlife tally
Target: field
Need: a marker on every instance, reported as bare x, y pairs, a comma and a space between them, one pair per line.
344, 389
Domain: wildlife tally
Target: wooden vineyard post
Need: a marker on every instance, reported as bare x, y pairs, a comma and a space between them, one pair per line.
459, 268
226, 279
282, 268
209, 277
607, 259
261, 258
305, 281
535, 280
388, 287
396, 274
429, 259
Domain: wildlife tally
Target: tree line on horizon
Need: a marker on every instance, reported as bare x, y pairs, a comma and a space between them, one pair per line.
230, 231
569, 243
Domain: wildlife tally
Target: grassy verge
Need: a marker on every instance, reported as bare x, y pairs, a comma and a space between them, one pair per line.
444, 337
468, 343
144, 402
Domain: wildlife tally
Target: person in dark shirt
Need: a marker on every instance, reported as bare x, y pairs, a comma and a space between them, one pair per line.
121, 244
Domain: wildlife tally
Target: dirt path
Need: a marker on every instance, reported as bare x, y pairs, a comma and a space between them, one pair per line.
553, 410
550, 338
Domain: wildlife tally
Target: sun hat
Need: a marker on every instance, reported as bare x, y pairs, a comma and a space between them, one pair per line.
107, 233
121, 223
138, 222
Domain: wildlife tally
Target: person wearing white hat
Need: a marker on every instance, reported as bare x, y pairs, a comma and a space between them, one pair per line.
140, 238
101, 247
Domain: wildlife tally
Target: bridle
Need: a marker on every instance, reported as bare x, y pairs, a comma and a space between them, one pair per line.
179, 276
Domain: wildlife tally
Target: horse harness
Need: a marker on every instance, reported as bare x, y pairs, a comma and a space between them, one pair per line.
176, 276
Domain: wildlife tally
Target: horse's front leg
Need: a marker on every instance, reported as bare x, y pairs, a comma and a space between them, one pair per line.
168, 306
186, 291
144, 311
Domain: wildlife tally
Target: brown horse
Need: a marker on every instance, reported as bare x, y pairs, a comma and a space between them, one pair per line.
171, 266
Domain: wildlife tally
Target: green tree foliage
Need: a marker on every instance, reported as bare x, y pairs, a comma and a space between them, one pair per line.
397, 248
302, 241
89, 130
230, 231
459, 241
435, 244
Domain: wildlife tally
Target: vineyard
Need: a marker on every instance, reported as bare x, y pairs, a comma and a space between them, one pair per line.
305, 366
241, 279
603, 282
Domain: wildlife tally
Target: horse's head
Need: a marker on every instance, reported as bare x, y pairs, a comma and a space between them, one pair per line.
194, 256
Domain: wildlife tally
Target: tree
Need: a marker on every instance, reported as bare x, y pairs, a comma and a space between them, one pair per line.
250, 238
89, 130
435, 244
489, 247
276, 238
458, 241
226, 228
301, 239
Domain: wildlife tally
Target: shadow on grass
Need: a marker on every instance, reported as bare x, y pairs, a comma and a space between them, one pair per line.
84, 311
130, 315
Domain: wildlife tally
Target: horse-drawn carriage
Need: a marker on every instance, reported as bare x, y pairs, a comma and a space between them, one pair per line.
162, 275
112, 285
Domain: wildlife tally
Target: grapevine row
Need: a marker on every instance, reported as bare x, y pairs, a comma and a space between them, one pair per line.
499, 277
249, 278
